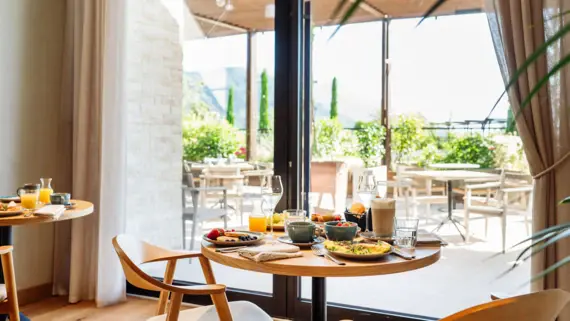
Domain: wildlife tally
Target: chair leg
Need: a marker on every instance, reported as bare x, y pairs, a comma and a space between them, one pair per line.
504, 230
486, 226
174, 309
193, 233
527, 223
11, 290
466, 223
183, 233
168, 278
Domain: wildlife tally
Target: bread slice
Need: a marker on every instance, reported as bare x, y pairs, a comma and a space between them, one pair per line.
227, 239
236, 234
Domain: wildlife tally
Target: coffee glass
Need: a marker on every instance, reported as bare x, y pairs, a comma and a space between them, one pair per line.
383, 212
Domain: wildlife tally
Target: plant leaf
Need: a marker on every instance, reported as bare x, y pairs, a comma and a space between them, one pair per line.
541, 233
546, 244
551, 269
558, 15
566, 200
431, 10
528, 248
338, 9
349, 12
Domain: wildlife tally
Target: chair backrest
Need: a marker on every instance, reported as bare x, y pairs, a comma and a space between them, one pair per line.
539, 306
132, 253
502, 184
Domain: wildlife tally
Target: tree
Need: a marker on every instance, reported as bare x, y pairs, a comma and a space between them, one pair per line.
334, 103
264, 104
230, 111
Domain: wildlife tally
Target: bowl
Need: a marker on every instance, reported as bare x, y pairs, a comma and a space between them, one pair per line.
340, 233
301, 232
359, 219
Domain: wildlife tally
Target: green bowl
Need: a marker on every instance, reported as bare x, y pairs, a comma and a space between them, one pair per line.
340, 233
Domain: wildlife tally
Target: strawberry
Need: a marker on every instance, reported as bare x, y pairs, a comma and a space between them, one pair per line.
339, 224
337, 218
215, 233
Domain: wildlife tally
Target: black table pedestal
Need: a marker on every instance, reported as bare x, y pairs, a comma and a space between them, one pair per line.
6, 239
450, 206
319, 304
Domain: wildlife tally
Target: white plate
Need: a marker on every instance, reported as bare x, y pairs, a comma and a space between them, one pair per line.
259, 235
287, 240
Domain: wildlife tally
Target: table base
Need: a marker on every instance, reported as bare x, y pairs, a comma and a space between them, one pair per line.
6, 239
319, 301
450, 206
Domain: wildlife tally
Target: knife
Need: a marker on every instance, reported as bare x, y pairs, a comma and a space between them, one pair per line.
403, 255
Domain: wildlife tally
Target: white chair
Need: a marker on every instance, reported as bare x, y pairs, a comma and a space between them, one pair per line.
496, 204
227, 176
133, 253
401, 186
197, 213
428, 199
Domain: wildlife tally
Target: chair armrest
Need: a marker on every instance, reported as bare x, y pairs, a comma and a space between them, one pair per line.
483, 186
518, 189
205, 189
206, 289
5, 249
168, 255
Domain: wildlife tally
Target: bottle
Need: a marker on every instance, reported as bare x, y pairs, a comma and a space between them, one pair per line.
45, 191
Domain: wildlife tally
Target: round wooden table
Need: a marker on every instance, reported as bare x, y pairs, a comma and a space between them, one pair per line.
319, 268
82, 208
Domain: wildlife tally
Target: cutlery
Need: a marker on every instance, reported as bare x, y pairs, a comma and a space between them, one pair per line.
400, 253
230, 249
321, 252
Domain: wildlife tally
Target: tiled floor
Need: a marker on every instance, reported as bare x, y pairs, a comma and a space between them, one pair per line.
464, 276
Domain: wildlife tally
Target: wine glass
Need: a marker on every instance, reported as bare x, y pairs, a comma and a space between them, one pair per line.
271, 193
366, 191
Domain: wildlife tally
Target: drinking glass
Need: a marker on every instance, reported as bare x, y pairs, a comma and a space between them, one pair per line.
271, 193
294, 216
367, 190
406, 232
45, 190
29, 195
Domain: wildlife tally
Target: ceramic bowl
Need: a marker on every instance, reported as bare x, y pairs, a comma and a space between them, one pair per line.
340, 233
301, 232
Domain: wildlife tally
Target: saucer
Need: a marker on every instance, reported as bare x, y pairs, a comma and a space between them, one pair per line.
287, 240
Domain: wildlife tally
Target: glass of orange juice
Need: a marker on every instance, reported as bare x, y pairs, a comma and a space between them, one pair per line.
257, 220
45, 191
29, 196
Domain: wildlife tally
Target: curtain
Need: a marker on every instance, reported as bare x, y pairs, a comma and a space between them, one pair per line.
92, 136
518, 28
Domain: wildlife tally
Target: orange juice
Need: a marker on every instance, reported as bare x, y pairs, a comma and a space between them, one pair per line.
45, 194
29, 201
257, 224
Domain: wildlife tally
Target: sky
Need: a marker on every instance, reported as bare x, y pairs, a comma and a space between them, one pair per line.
444, 69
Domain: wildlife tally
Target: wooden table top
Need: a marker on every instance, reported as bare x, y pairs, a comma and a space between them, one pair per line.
314, 266
450, 175
82, 208
454, 166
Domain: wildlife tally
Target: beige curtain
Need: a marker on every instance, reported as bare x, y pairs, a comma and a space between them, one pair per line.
518, 28
92, 148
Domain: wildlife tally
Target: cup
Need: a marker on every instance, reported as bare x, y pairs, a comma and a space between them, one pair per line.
301, 232
383, 211
406, 232
29, 195
60, 198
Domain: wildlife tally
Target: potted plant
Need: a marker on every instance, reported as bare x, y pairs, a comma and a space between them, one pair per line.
370, 137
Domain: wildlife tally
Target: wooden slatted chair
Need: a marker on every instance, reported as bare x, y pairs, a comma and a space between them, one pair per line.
133, 253
539, 306
9, 305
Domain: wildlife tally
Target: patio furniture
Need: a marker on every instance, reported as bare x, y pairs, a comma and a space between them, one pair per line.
540, 306
197, 212
449, 166
133, 253
9, 300
319, 268
400, 185
449, 177
242, 166
229, 177
329, 179
497, 206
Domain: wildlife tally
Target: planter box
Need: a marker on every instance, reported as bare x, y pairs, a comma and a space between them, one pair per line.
328, 185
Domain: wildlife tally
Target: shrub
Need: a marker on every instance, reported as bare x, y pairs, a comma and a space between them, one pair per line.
471, 149
431, 150
326, 137
370, 136
210, 138
407, 137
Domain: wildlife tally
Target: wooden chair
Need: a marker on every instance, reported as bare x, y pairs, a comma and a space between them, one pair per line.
539, 306
10, 304
132, 253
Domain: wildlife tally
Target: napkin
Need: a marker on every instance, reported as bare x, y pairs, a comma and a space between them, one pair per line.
270, 252
51, 210
427, 238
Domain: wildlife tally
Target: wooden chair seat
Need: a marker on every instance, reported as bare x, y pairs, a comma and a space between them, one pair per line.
240, 310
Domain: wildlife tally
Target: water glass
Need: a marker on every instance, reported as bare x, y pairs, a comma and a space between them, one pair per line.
406, 232
294, 216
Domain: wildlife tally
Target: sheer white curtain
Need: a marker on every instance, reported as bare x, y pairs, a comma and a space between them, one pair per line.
92, 136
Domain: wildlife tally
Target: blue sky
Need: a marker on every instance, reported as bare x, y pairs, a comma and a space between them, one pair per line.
444, 69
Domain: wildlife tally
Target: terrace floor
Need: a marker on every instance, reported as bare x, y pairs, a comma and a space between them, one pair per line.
464, 276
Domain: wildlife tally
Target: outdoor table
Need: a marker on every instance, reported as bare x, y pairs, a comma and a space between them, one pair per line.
449, 176
243, 166
454, 166
319, 268
82, 208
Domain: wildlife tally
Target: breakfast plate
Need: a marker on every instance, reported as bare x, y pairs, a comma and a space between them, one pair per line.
220, 237
10, 198
358, 251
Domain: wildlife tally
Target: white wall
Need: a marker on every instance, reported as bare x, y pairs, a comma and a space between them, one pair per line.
31, 44
154, 123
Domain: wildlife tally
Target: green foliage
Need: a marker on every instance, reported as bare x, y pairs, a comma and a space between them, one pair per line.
407, 137
511, 126
326, 137
264, 104
370, 137
471, 149
431, 150
209, 138
334, 100
230, 111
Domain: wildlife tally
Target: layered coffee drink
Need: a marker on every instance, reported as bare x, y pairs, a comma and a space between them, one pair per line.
383, 213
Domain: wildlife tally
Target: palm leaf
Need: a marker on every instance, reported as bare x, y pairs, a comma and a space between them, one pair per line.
528, 248
546, 244
565, 201
339, 8
558, 15
551, 268
431, 10
555, 228
349, 12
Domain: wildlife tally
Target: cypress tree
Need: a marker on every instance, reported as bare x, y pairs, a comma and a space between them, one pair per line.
334, 101
264, 104
230, 111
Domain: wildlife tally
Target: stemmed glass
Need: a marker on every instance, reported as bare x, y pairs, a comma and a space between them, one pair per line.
271, 193
366, 191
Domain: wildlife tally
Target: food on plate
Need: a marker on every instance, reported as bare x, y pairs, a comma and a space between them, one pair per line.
321, 218
10, 207
235, 234
357, 208
278, 219
227, 239
345, 224
215, 233
357, 248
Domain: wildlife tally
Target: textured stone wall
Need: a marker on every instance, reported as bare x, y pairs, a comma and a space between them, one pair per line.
154, 142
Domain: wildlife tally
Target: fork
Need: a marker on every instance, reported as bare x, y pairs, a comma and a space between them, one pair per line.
321, 252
